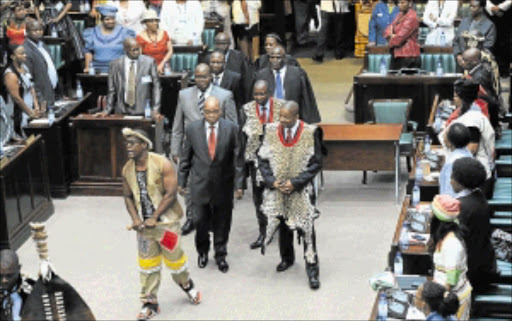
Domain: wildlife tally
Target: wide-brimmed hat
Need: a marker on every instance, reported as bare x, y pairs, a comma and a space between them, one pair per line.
127, 132
149, 15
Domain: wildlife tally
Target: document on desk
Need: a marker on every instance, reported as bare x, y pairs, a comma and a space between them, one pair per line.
40, 121
133, 117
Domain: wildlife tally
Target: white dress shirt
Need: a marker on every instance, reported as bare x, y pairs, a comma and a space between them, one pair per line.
267, 106
221, 75
208, 131
282, 73
253, 7
293, 129
127, 66
504, 6
207, 92
52, 71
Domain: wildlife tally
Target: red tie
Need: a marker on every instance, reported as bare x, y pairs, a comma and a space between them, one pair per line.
289, 138
211, 142
263, 116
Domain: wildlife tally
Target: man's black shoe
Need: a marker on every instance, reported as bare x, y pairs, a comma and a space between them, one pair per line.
258, 243
283, 266
223, 265
187, 227
339, 56
314, 283
202, 260
319, 59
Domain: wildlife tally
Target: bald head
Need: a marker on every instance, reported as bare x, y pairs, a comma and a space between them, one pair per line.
131, 48
212, 109
289, 114
261, 84
8, 257
292, 106
35, 30
471, 57
260, 92
202, 76
9, 270
222, 42
276, 58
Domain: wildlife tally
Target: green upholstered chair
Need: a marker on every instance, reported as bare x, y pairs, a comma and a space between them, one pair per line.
184, 62
503, 215
502, 197
374, 62
496, 300
396, 111
429, 62
422, 36
56, 54
504, 224
504, 144
80, 25
504, 166
208, 37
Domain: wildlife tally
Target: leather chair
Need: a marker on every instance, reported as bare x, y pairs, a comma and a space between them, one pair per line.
208, 37
504, 166
80, 25
396, 111
374, 62
56, 54
502, 196
504, 143
184, 62
495, 301
429, 62
422, 36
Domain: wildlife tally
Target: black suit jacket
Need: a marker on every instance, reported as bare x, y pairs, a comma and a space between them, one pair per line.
304, 178
232, 81
298, 88
211, 181
39, 70
237, 62
264, 61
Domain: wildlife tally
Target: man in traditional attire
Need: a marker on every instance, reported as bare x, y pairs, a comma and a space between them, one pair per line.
14, 286
149, 188
255, 115
289, 159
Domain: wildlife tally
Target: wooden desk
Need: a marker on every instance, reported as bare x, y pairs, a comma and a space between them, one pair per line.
363, 147
428, 189
171, 85
416, 258
24, 193
102, 154
60, 146
420, 88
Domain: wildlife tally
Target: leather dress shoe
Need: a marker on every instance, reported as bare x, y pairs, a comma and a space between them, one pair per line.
187, 227
283, 266
202, 260
223, 265
319, 59
258, 243
314, 282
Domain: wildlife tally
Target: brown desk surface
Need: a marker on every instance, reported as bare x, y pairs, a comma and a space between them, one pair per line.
361, 132
417, 249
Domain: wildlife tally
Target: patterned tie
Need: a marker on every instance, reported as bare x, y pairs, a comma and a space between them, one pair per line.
263, 116
212, 142
130, 98
200, 104
279, 86
289, 137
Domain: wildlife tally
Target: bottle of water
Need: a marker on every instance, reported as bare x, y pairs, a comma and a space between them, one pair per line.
82, 6
51, 115
167, 69
419, 171
427, 145
404, 237
87, 6
383, 307
195, 39
416, 194
438, 122
147, 110
383, 67
439, 69
91, 69
54, 32
443, 39
398, 265
79, 91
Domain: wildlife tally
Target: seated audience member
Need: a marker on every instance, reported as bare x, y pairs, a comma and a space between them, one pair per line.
40, 64
15, 25
221, 9
104, 42
273, 40
183, 20
18, 82
290, 83
55, 15
449, 251
154, 41
129, 13
439, 16
477, 21
442, 304
457, 139
14, 286
383, 15
500, 12
246, 25
468, 175
402, 36
227, 79
133, 82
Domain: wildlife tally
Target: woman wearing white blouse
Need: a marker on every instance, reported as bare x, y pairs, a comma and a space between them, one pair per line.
246, 21
129, 13
439, 16
183, 20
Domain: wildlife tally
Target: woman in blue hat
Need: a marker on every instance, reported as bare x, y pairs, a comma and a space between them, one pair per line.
104, 42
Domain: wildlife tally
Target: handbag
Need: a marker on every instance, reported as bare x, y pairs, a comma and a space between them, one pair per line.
502, 243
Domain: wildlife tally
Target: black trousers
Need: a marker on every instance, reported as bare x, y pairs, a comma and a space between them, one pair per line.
398, 63
218, 217
336, 19
302, 13
257, 199
503, 46
287, 251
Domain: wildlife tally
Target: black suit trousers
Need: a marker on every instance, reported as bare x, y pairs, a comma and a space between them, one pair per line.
218, 217
257, 199
286, 244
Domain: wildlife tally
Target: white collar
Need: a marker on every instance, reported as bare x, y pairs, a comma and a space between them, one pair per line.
206, 92
207, 125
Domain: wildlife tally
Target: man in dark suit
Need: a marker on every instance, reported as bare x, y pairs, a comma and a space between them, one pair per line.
289, 159
132, 82
290, 83
211, 157
40, 63
227, 79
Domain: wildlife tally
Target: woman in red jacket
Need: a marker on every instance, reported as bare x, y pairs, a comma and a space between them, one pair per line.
402, 36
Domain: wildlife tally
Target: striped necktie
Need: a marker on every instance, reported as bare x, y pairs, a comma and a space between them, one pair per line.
200, 104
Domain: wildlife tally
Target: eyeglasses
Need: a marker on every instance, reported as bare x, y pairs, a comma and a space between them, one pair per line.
131, 142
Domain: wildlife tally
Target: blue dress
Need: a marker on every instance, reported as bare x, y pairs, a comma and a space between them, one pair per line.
381, 18
105, 47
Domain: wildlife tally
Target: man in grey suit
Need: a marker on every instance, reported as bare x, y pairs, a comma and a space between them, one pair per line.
132, 81
190, 108
40, 63
212, 165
